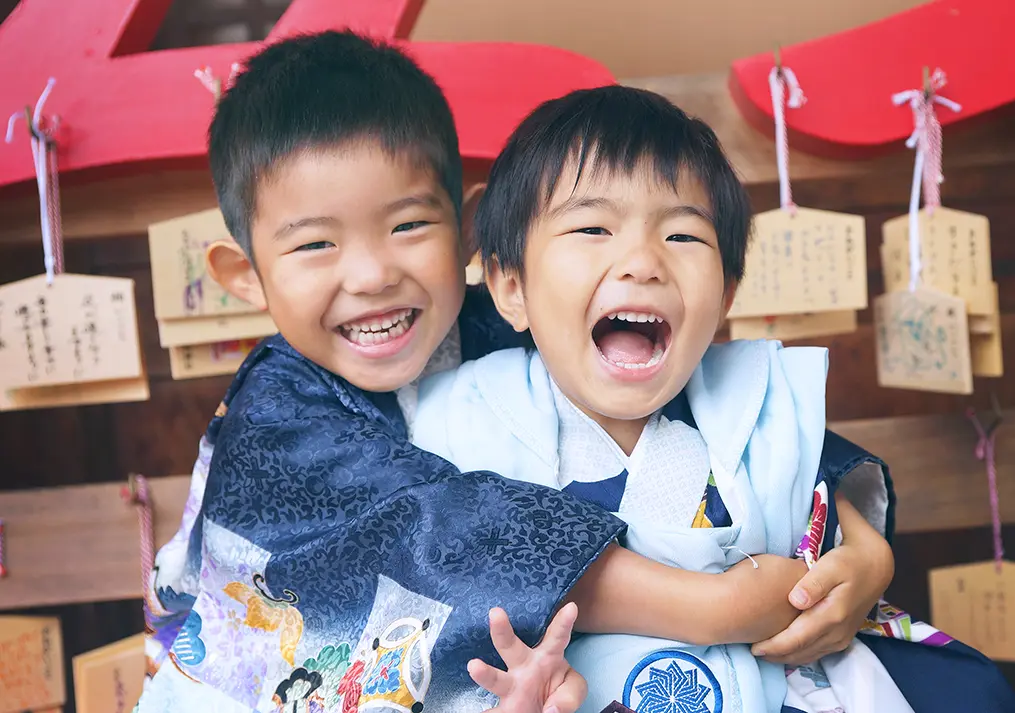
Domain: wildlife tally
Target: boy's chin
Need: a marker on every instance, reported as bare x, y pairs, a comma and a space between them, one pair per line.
380, 378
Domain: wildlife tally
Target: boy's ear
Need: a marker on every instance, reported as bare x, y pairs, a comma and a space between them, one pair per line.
506, 289
470, 246
729, 294
229, 266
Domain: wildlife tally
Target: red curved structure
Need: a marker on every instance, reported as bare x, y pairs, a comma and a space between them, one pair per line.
121, 105
849, 78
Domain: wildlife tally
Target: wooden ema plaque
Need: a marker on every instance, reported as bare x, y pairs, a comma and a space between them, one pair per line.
789, 327
191, 308
73, 341
922, 341
985, 341
973, 603
954, 256
31, 664
200, 360
181, 285
813, 261
110, 679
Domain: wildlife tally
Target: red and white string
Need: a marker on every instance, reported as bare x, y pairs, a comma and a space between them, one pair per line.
136, 493
926, 140
781, 80
44, 156
209, 81
985, 452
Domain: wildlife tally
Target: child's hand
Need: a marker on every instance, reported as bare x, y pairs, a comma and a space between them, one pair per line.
538, 680
836, 595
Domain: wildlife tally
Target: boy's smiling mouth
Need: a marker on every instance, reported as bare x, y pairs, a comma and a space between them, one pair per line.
632, 343
381, 332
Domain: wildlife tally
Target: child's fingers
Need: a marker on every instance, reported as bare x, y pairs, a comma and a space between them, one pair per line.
512, 649
569, 696
492, 679
798, 635
558, 633
816, 584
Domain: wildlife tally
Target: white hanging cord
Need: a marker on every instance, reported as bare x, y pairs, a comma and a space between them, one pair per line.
926, 140
779, 80
727, 548
44, 159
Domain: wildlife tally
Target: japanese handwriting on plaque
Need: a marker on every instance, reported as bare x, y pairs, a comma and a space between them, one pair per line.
922, 340
814, 261
82, 328
794, 326
970, 602
180, 284
31, 664
954, 255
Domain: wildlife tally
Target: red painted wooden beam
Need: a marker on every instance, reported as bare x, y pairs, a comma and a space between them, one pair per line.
120, 106
849, 77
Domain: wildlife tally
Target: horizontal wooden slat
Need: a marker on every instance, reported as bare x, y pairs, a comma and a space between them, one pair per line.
939, 481
80, 544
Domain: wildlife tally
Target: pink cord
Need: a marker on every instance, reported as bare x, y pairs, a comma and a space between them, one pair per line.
136, 493
985, 452
781, 79
3, 562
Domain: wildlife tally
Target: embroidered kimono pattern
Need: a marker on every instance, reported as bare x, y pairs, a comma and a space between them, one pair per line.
324, 564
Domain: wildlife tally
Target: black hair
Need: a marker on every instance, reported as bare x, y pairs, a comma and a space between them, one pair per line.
319, 91
608, 128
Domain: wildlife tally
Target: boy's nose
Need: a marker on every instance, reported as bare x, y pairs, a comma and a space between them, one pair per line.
643, 262
367, 270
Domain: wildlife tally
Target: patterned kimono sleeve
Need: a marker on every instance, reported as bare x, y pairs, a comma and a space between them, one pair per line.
173, 587
863, 478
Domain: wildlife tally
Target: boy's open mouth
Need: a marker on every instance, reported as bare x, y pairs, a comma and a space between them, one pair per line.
632, 340
379, 329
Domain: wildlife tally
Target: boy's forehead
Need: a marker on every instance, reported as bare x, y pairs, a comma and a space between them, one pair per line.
360, 177
598, 178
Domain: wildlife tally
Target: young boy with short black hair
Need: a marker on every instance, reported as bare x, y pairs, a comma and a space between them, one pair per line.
324, 563
614, 231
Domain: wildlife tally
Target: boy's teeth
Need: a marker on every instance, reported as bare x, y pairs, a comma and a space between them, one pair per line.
635, 317
380, 330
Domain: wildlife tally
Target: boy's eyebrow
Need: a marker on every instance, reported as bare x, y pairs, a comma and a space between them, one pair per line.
687, 209
304, 223
578, 202
427, 200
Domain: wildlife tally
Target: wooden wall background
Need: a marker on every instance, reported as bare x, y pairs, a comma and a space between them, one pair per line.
159, 437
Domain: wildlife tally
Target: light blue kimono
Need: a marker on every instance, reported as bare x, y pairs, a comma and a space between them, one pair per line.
760, 409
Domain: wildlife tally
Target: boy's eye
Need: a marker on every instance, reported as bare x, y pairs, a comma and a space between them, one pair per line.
316, 245
682, 238
593, 231
412, 225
